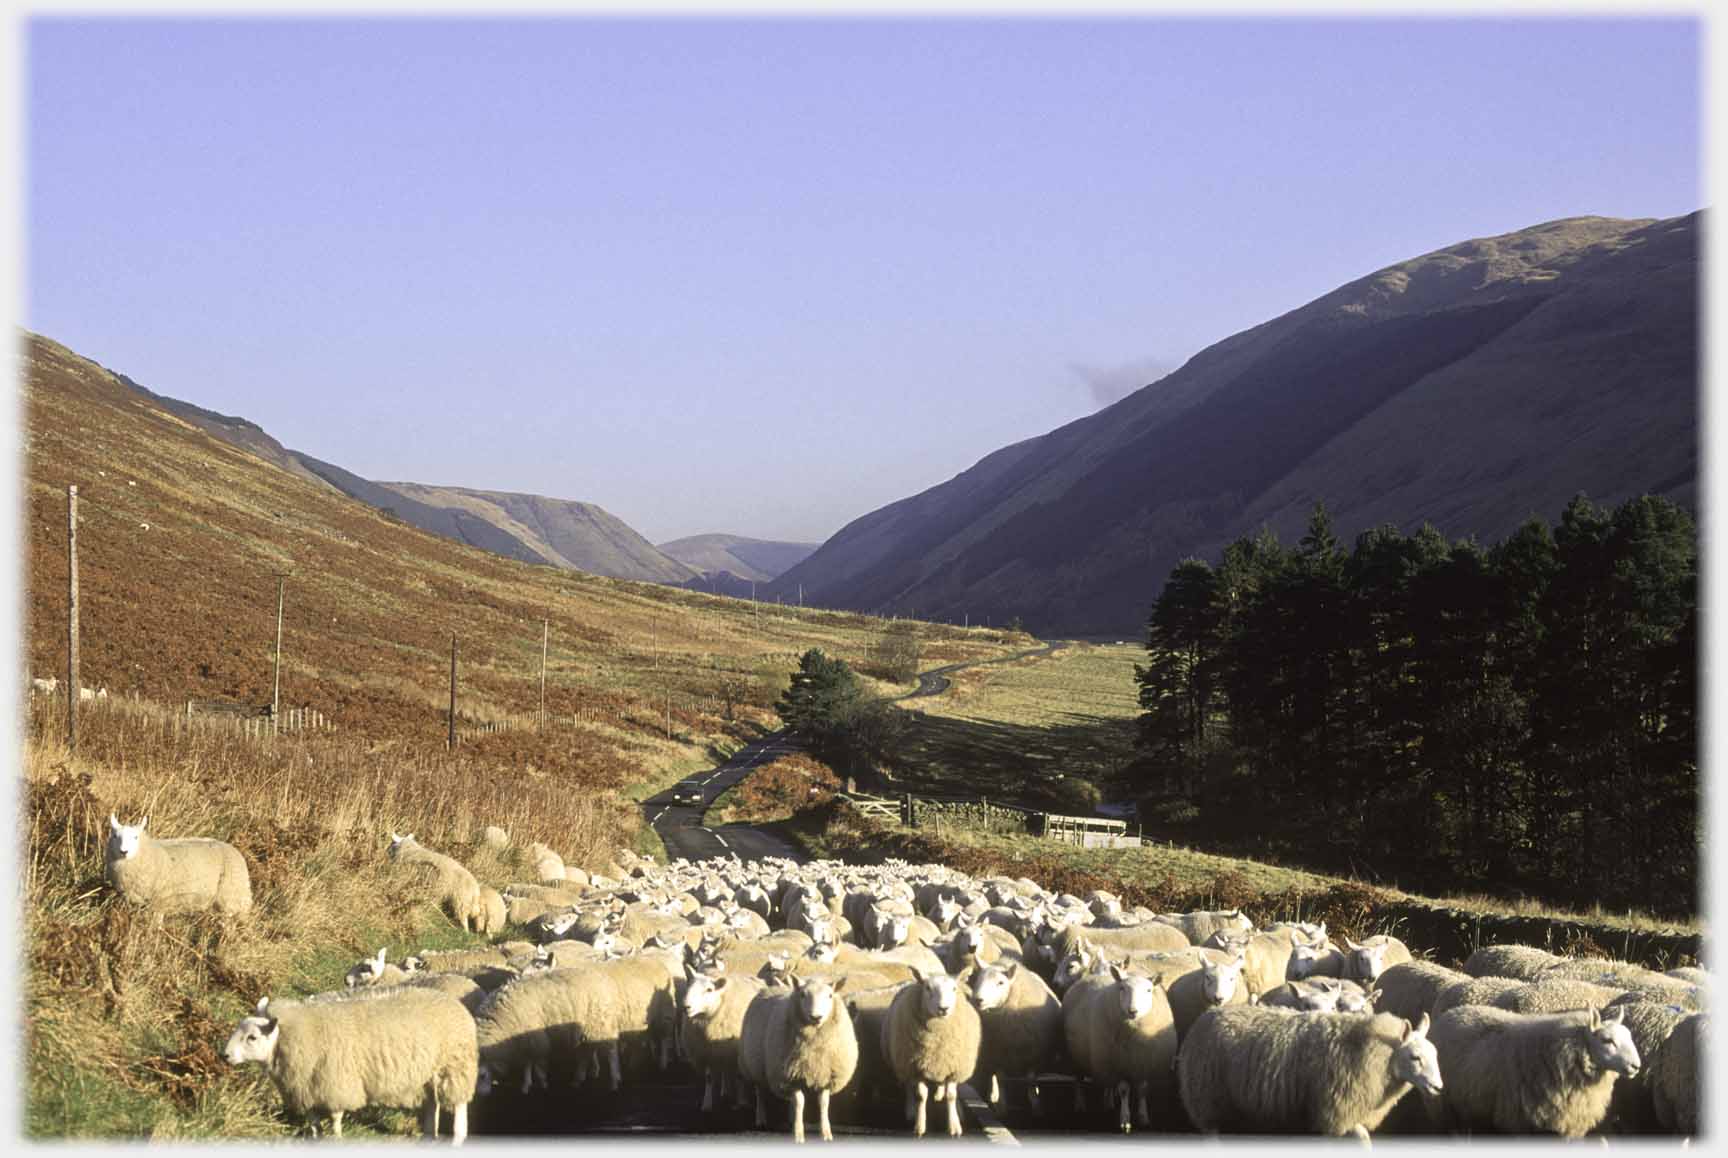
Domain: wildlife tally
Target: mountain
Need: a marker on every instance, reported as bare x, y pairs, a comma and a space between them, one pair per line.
758, 559
1472, 387
561, 531
528, 528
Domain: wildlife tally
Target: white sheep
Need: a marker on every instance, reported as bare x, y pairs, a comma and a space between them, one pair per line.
1409, 990
454, 886
1198, 926
797, 1042
376, 971
85, 695
1262, 1069
1128, 1041
1367, 960
1632, 1109
1320, 995
1266, 955
931, 1038
1525, 962
1554, 995
547, 1016
1674, 1076
410, 1048
1020, 1021
1314, 960
47, 687
182, 875
713, 1022
1522, 1073
1473, 991
548, 866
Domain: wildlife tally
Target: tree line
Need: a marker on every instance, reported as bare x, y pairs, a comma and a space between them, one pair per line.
1520, 717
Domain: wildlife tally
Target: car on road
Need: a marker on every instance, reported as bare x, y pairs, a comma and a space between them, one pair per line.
687, 794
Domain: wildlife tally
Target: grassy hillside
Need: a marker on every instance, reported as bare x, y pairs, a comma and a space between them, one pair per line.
1047, 732
180, 539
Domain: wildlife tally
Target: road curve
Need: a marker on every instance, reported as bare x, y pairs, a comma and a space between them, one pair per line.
680, 826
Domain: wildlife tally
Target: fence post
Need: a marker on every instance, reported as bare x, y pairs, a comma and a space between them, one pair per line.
73, 688
451, 742
907, 814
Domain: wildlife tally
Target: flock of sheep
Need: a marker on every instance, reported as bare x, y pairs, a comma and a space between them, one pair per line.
880, 983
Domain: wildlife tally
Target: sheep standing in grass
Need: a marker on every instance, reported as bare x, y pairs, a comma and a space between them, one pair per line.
1020, 1022
797, 1042
411, 1048
1519, 1073
455, 886
931, 1038
376, 971
1265, 1070
1130, 1041
491, 914
183, 875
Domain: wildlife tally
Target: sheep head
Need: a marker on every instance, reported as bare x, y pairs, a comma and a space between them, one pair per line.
254, 1039
124, 839
1135, 993
990, 986
939, 993
813, 999
1218, 980
1415, 1060
1610, 1043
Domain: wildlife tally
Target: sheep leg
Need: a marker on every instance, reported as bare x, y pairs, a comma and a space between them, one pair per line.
761, 1110
918, 1121
953, 1109
938, 1091
1124, 1106
995, 1091
429, 1117
1361, 1133
822, 1111
617, 1073
1142, 1117
707, 1090
798, 1114
1033, 1098
336, 1123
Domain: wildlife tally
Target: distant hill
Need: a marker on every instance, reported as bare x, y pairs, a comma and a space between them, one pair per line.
561, 531
743, 558
1472, 387
530, 528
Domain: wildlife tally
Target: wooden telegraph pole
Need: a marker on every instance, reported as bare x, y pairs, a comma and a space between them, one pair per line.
72, 684
545, 637
451, 742
276, 681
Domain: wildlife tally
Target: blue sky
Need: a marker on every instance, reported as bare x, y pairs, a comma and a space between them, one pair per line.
764, 277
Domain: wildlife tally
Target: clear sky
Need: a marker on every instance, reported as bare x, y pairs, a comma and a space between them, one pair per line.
764, 277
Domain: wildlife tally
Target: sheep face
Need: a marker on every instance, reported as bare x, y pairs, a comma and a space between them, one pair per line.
254, 1039
941, 993
814, 1000
823, 952
896, 931
823, 933
990, 986
1365, 961
1415, 1060
1218, 982
1316, 998
1611, 1046
970, 940
1134, 994
1352, 1000
398, 843
124, 839
366, 973
1303, 961
1225, 939
702, 996
1070, 969
945, 912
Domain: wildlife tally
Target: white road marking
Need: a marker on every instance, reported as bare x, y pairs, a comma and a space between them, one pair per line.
657, 816
719, 838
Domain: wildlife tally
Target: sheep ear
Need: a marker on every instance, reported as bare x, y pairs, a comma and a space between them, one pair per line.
1421, 1026
381, 956
1012, 971
1116, 973
1348, 944
1595, 1018
1617, 1016
263, 1004
113, 821
143, 824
